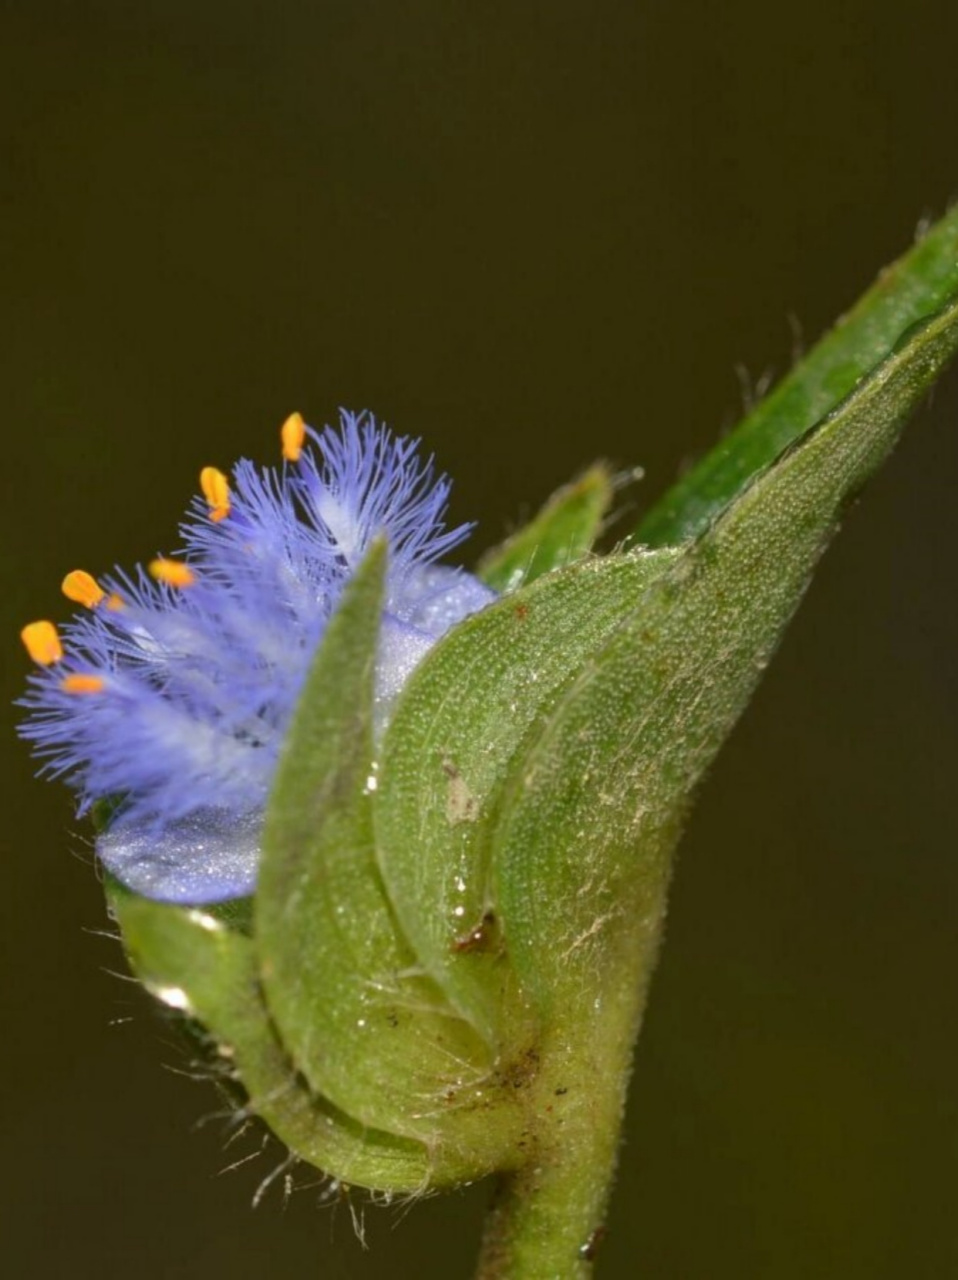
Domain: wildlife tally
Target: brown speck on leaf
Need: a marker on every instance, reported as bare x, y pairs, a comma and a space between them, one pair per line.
476, 939
521, 1071
461, 804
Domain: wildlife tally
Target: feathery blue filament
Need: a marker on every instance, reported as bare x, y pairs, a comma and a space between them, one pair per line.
200, 683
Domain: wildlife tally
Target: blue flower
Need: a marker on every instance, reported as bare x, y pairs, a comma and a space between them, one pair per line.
173, 690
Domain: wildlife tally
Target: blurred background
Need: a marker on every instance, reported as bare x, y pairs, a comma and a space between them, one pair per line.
529, 233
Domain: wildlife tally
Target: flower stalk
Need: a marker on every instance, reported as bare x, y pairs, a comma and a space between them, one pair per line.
547, 1216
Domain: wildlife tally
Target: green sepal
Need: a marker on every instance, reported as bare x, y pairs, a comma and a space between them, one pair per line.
463, 718
362, 1021
561, 533
584, 840
190, 959
103, 811
919, 284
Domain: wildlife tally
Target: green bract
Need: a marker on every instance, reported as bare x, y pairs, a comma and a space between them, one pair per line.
454, 928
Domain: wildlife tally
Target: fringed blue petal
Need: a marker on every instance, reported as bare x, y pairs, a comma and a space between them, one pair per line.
199, 683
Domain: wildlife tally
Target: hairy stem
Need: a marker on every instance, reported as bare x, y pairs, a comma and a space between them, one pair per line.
546, 1218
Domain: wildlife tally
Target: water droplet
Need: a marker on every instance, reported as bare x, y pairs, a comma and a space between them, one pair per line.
588, 1250
175, 997
205, 920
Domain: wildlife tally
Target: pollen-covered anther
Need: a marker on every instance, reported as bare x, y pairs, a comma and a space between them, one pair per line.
114, 602
42, 642
173, 572
293, 435
81, 682
82, 588
216, 491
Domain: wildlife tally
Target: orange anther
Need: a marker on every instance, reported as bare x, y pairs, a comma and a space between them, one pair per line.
173, 572
216, 491
114, 602
77, 682
293, 434
42, 643
82, 588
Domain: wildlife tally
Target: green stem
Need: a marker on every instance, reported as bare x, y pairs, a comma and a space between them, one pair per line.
546, 1219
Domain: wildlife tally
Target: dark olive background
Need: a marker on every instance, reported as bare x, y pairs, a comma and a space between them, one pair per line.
531, 233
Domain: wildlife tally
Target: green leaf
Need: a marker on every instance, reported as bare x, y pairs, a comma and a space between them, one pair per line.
462, 719
562, 532
189, 959
584, 841
352, 1005
920, 283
